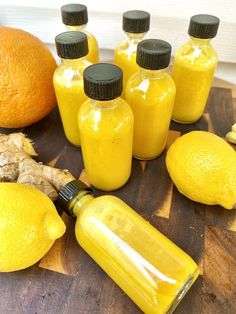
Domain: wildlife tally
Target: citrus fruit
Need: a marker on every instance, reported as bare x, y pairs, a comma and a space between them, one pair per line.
203, 168
29, 225
26, 71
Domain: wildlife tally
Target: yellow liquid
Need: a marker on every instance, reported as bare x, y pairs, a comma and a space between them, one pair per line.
106, 131
147, 266
193, 71
151, 95
93, 55
125, 57
68, 85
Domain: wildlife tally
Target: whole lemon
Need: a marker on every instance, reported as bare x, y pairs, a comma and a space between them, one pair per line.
26, 72
29, 225
203, 168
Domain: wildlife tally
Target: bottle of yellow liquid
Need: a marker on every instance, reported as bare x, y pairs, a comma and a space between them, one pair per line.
151, 93
148, 267
135, 25
106, 128
75, 17
72, 48
194, 67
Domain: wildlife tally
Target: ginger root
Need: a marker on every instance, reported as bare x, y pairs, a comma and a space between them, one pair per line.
17, 165
231, 136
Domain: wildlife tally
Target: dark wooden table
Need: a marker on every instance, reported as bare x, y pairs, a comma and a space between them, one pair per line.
67, 280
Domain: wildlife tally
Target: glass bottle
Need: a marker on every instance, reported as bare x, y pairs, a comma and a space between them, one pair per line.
194, 66
146, 265
151, 93
72, 48
106, 128
135, 25
75, 17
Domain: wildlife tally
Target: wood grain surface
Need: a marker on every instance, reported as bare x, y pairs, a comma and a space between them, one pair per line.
68, 281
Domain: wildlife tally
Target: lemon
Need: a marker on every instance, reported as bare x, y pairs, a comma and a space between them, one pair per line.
203, 168
29, 225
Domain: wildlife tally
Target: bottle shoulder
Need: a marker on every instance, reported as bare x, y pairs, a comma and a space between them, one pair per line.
90, 106
111, 199
122, 46
81, 28
65, 74
90, 36
201, 55
155, 87
110, 117
104, 203
126, 47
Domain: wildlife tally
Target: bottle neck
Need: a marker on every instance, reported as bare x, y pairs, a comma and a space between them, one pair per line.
78, 203
151, 74
80, 28
134, 37
200, 41
73, 63
104, 104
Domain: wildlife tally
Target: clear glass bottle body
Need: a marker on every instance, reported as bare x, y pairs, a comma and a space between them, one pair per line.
68, 85
125, 56
147, 266
151, 94
194, 66
93, 55
106, 131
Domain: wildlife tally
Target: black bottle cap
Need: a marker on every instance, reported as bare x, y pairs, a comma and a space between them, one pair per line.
69, 191
153, 54
72, 45
203, 26
103, 81
136, 21
74, 14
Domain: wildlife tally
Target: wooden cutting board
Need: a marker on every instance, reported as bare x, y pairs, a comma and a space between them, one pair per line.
67, 280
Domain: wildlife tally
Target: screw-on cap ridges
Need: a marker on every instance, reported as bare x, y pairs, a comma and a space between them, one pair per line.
203, 26
72, 45
136, 21
103, 81
74, 14
69, 191
153, 54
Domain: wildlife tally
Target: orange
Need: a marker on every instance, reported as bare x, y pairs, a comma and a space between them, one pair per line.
26, 71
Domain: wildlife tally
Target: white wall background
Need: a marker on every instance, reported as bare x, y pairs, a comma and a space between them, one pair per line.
169, 21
